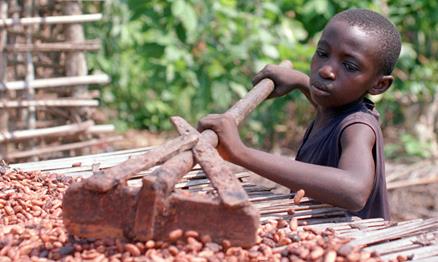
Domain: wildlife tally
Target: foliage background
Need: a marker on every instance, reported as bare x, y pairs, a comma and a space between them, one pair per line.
194, 57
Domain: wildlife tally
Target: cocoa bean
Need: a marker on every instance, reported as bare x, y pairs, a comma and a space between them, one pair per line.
132, 249
316, 253
4, 251
9, 210
76, 164
206, 239
173, 250
140, 246
226, 244
150, 244
298, 196
194, 244
175, 235
5, 259
353, 256
290, 211
293, 224
191, 233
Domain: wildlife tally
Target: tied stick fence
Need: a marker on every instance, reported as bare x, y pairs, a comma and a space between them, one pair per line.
46, 108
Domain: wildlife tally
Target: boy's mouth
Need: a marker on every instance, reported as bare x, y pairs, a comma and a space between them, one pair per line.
319, 89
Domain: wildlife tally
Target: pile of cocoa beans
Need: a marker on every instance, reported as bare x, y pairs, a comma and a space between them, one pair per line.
31, 229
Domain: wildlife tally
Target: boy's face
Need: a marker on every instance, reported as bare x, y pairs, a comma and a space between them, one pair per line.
344, 66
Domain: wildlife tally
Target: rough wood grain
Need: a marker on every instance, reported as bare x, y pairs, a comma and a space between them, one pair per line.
120, 173
228, 187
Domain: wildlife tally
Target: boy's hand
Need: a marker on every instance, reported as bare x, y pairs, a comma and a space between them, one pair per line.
226, 129
285, 79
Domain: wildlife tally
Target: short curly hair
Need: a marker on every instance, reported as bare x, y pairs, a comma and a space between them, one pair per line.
380, 27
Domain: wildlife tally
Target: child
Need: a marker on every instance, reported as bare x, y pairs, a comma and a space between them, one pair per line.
341, 158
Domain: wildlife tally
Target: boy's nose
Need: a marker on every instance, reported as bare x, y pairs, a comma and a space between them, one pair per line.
326, 72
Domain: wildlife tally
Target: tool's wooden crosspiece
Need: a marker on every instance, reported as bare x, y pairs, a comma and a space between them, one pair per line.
229, 188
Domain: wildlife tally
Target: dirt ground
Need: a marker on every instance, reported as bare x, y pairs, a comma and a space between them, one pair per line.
406, 203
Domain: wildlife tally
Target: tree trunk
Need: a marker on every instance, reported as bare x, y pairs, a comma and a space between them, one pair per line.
75, 63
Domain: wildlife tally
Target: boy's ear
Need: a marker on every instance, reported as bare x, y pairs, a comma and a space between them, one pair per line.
382, 84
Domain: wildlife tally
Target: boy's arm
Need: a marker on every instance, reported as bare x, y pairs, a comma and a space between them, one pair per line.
347, 186
285, 79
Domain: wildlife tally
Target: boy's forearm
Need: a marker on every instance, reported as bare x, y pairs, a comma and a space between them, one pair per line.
301, 81
327, 184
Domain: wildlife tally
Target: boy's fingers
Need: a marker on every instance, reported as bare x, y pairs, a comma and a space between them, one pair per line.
257, 78
287, 64
207, 122
261, 75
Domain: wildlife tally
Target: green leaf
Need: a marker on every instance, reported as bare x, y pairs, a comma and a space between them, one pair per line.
187, 16
239, 89
271, 51
221, 94
215, 69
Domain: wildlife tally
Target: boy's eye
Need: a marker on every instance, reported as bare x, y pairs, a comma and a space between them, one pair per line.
321, 53
351, 67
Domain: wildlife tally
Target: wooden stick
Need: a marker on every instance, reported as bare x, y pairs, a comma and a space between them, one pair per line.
99, 129
70, 19
64, 147
57, 82
44, 132
120, 173
49, 103
413, 182
92, 45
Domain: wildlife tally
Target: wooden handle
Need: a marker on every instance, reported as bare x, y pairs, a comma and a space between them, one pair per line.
253, 98
246, 105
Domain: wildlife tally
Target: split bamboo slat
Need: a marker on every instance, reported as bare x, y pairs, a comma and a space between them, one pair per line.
43, 132
49, 103
56, 82
46, 108
417, 239
50, 20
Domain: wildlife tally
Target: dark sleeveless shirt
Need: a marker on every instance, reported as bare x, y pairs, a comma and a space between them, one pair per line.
324, 148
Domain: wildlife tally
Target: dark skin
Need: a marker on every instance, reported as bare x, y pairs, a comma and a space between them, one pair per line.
343, 70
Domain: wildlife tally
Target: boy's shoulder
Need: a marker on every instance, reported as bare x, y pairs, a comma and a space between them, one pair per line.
367, 115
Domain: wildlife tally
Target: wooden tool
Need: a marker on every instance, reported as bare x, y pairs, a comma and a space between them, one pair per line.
105, 206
